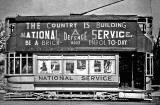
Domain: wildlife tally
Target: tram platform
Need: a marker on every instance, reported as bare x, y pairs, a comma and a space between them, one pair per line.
156, 94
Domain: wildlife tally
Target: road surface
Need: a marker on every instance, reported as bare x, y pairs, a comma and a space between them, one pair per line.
73, 103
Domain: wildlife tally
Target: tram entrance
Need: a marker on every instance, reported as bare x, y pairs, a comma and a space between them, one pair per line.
131, 70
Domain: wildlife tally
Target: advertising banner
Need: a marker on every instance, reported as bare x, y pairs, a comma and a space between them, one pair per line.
71, 36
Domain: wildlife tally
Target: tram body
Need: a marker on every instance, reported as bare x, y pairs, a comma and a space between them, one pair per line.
104, 57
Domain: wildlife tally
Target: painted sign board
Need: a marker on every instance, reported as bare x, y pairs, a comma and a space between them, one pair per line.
55, 36
76, 78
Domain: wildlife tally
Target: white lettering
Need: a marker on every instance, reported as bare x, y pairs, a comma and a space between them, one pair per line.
41, 35
36, 42
106, 34
110, 24
50, 34
28, 35
112, 34
94, 34
61, 25
121, 34
33, 25
100, 34
86, 25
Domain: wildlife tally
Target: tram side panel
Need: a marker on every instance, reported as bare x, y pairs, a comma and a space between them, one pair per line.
79, 79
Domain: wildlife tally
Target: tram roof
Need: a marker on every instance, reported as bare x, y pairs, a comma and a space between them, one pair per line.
74, 18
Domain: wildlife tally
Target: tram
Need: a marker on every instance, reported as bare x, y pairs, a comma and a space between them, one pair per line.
95, 57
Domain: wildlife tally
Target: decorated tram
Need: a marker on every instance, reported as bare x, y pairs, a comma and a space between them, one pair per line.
95, 57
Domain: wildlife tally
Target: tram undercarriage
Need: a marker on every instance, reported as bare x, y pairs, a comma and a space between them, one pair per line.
80, 95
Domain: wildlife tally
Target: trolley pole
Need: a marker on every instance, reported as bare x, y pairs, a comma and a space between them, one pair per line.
132, 71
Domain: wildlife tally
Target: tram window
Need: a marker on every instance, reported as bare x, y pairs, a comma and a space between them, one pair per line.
70, 66
49, 66
17, 54
20, 63
152, 65
81, 67
149, 64
11, 55
106, 66
27, 68
11, 66
76, 67
17, 66
55, 66
24, 66
97, 66
81, 64
30, 66
109, 66
43, 66
142, 27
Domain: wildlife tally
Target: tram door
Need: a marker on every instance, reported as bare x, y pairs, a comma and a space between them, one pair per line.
125, 70
149, 70
131, 69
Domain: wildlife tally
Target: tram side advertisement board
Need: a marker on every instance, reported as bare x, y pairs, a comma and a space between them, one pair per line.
70, 36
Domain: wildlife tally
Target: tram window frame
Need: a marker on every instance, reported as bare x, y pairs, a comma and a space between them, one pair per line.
20, 57
49, 66
74, 68
78, 69
74, 59
143, 27
149, 64
49, 59
102, 59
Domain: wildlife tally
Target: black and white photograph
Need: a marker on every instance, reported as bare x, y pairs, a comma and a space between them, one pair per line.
79, 52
